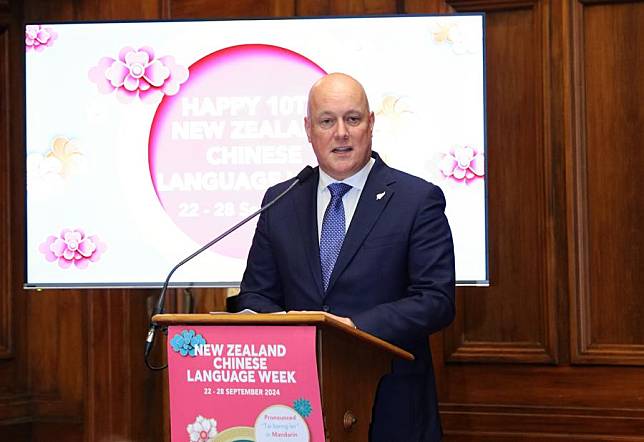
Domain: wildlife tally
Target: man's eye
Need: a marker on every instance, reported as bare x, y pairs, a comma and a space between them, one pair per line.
353, 121
327, 122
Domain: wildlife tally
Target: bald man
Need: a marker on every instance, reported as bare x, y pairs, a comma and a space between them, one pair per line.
367, 243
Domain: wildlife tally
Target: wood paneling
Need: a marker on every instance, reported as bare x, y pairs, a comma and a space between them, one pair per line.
117, 10
6, 311
15, 402
89, 10
607, 222
514, 320
562, 402
348, 7
491, 5
279, 8
122, 393
514, 385
426, 7
56, 351
47, 10
533, 423
240, 8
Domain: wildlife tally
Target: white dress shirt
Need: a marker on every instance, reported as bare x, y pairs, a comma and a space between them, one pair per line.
349, 200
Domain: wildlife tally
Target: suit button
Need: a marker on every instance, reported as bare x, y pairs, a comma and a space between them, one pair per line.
325, 308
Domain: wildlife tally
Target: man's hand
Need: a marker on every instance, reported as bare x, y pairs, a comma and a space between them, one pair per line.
342, 319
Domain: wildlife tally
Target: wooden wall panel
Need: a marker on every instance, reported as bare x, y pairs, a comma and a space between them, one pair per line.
15, 406
117, 10
239, 8
6, 311
56, 349
88, 10
86, 377
122, 393
426, 7
560, 402
536, 399
348, 7
607, 216
514, 320
46, 10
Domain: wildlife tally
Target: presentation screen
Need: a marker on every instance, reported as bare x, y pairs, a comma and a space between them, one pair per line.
145, 140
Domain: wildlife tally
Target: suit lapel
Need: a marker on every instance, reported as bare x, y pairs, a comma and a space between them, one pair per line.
373, 200
305, 207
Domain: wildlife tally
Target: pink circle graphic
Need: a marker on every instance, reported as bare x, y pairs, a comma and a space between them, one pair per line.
235, 128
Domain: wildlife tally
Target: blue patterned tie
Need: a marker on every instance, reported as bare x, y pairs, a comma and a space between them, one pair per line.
333, 229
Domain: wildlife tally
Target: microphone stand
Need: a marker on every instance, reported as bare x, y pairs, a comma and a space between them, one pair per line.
149, 342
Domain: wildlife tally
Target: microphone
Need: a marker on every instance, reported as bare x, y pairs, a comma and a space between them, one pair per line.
301, 177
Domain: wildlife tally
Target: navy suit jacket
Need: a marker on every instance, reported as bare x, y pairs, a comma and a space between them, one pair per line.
394, 278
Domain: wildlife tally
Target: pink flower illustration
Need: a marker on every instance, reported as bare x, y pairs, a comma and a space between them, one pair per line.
462, 164
138, 73
37, 37
72, 246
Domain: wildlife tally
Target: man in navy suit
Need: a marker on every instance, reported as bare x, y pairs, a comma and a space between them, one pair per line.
392, 271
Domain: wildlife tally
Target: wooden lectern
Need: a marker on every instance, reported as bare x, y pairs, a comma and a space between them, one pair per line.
350, 364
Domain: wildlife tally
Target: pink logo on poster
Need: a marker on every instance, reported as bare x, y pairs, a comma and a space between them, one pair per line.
233, 129
231, 383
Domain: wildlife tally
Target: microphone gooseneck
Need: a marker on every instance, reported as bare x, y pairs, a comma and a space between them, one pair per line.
304, 175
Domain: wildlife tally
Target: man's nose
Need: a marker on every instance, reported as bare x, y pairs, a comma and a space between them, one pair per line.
342, 131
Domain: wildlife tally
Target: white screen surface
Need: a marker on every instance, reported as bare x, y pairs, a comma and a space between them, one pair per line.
145, 140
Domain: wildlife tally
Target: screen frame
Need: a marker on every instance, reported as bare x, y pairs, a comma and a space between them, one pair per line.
234, 284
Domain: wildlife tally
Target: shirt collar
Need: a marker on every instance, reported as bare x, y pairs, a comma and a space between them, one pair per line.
356, 180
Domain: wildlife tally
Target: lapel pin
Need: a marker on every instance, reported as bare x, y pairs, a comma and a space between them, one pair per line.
379, 196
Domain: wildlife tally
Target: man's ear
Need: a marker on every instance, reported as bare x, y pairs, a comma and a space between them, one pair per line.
372, 120
307, 128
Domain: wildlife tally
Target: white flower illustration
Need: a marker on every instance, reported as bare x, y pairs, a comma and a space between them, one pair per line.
463, 39
43, 174
202, 430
